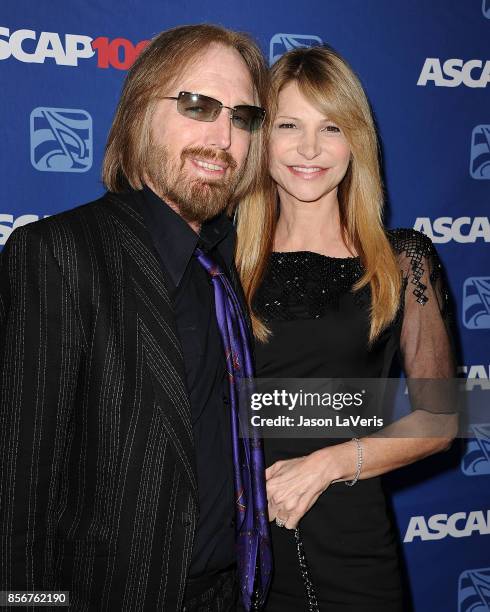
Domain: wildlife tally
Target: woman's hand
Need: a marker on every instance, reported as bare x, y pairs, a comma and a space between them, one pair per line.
294, 485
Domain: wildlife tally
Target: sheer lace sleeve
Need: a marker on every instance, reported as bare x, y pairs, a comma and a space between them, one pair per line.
425, 339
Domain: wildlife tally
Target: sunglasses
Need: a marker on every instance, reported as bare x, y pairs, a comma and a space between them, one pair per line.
203, 108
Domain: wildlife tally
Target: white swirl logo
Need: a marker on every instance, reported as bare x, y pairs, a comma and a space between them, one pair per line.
476, 303
480, 153
474, 590
485, 8
280, 43
61, 140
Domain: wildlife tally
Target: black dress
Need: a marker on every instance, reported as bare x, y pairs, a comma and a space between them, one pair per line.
320, 330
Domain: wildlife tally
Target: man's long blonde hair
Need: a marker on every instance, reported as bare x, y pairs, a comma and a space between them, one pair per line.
328, 82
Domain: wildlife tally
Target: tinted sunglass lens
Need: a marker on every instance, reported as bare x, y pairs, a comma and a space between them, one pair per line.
198, 107
248, 118
242, 118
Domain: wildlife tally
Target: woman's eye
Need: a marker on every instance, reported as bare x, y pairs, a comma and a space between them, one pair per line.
332, 128
286, 125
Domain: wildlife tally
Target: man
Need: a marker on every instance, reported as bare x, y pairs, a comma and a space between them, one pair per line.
117, 458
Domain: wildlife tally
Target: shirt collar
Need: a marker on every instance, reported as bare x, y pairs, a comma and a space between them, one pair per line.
176, 241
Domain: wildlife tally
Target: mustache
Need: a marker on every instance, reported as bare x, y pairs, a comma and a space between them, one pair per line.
210, 154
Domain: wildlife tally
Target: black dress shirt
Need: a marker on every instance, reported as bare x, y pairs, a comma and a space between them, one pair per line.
193, 300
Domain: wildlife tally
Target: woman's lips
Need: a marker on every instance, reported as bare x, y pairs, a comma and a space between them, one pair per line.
307, 173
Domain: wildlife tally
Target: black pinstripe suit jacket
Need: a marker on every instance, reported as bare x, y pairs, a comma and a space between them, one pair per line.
98, 483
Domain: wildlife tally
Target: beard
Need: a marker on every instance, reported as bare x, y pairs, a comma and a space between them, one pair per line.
197, 199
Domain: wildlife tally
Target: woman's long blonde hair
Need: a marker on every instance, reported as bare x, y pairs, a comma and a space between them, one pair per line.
329, 83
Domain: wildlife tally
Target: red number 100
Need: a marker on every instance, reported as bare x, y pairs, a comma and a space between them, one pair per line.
119, 53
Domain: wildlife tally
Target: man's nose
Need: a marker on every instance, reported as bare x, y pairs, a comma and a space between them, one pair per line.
218, 133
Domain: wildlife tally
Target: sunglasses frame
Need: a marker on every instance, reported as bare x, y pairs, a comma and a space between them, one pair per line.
219, 107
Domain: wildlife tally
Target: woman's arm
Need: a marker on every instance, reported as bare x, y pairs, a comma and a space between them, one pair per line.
293, 486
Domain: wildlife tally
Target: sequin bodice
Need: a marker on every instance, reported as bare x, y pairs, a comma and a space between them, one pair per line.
302, 285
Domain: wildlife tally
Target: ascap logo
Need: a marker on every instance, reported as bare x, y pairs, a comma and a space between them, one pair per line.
476, 302
474, 590
61, 139
440, 526
25, 46
280, 43
460, 229
480, 152
8, 223
455, 72
66, 50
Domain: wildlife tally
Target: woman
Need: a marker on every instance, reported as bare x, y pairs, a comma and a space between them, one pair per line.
335, 295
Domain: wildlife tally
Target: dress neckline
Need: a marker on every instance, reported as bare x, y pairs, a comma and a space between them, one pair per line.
329, 257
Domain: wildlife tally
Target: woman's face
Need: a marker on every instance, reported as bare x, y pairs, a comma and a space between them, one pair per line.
309, 154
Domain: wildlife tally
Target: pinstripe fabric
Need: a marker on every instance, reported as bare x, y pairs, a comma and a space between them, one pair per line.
98, 487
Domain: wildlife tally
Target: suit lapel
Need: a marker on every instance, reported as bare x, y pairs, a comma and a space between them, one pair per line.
156, 328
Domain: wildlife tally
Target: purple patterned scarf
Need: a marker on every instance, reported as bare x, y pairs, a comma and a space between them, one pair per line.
254, 555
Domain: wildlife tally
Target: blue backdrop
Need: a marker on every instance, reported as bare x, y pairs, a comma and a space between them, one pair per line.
426, 68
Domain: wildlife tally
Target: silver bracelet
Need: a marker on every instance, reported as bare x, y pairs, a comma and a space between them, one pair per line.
351, 483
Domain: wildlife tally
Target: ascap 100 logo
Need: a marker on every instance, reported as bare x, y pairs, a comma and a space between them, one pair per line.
459, 229
454, 72
440, 526
8, 223
280, 43
476, 302
480, 152
474, 590
67, 49
61, 140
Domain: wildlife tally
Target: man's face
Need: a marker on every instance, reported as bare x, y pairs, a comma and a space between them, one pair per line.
196, 165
